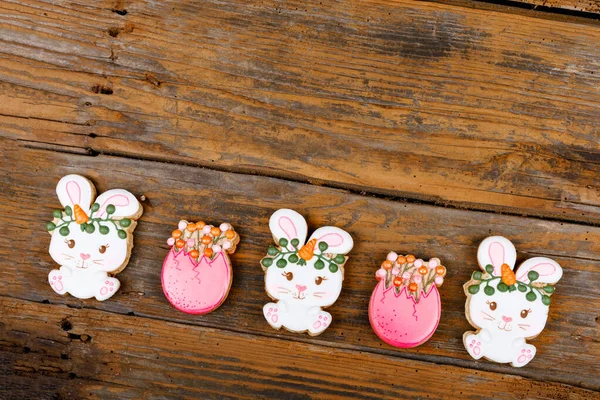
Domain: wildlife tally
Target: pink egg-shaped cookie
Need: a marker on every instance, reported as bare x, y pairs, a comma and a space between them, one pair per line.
197, 273
405, 306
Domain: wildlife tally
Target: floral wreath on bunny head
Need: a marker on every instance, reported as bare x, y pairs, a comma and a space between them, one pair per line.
497, 257
293, 250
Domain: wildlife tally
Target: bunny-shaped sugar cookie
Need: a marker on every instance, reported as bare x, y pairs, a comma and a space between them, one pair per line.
90, 240
303, 277
506, 307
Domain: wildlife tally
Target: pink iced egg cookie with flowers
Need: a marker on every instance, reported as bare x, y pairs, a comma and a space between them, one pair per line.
197, 273
405, 306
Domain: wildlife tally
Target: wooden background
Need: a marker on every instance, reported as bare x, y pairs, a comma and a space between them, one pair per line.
418, 127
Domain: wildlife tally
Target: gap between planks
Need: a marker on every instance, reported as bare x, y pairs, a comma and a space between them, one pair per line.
368, 191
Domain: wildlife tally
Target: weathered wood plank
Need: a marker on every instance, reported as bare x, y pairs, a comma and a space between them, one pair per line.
568, 348
168, 360
427, 101
589, 6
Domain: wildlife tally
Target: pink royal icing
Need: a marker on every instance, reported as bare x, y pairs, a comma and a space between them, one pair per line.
400, 321
197, 273
405, 306
195, 287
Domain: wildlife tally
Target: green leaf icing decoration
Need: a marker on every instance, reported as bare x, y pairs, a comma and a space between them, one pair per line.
63, 219
532, 291
267, 262
282, 255
474, 289
533, 275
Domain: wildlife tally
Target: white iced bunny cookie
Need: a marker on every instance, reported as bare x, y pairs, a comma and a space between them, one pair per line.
91, 240
507, 308
303, 277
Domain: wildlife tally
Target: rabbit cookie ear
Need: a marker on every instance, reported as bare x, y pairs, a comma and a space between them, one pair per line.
548, 270
125, 204
338, 240
75, 189
288, 224
496, 250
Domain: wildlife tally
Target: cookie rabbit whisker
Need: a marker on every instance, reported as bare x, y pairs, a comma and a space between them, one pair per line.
488, 316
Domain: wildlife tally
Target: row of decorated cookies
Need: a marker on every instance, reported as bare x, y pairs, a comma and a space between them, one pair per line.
91, 239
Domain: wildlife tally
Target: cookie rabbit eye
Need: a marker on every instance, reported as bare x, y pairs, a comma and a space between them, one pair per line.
525, 313
320, 279
288, 275
102, 249
492, 305
70, 243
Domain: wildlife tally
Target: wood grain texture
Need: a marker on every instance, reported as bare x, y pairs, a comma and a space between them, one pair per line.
419, 100
568, 349
181, 361
590, 6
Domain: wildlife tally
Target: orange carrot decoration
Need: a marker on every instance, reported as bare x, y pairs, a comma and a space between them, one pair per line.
80, 215
508, 276
307, 251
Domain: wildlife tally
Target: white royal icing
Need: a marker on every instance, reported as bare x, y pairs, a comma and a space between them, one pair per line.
84, 271
506, 319
301, 298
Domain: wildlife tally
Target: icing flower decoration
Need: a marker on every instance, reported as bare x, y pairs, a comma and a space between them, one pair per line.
405, 306
506, 307
197, 272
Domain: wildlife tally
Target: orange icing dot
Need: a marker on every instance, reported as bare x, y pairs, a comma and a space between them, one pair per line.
179, 243
423, 270
413, 287
410, 258
440, 270
208, 252
401, 260
206, 240
215, 231
387, 265
397, 281
191, 227
176, 234
230, 234
194, 253
200, 224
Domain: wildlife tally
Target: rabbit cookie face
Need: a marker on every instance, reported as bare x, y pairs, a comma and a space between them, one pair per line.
90, 239
505, 306
303, 276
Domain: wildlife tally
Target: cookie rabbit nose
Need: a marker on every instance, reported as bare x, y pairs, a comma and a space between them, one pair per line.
506, 319
301, 288
84, 256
